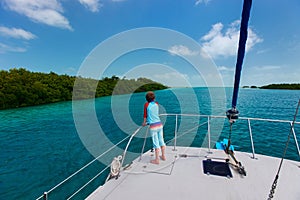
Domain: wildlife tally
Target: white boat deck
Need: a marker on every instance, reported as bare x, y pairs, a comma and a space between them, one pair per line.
183, 178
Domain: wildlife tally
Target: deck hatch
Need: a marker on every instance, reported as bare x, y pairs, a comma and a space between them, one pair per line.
216, 168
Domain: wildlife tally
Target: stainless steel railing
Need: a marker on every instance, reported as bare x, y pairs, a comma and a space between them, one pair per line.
210, 117
46, 194
208, 121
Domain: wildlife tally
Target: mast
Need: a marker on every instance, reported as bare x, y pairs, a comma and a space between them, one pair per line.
233, 113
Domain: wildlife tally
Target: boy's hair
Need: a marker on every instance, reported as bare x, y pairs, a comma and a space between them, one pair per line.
150, 96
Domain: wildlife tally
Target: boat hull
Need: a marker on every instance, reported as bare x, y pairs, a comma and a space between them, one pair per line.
182, 177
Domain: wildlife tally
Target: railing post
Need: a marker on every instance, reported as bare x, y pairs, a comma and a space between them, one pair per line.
251, 139
144, 143
45, 196
175, 133
208, 133
295, 138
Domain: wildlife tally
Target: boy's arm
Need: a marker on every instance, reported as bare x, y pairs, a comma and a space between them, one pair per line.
145, 122
145, 114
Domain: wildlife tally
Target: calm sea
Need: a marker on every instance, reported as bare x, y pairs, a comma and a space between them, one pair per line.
41, 146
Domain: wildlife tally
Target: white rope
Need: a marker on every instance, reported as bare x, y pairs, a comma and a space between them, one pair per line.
128, 143
115, 166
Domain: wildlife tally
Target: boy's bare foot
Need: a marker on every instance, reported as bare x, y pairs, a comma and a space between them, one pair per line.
163, 157
155, 162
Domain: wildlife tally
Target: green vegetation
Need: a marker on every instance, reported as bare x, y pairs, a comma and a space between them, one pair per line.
283, 86
20, 87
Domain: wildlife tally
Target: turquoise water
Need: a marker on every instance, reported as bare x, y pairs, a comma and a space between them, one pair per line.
40, 146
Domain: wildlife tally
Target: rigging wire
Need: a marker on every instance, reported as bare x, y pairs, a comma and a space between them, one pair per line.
274, 185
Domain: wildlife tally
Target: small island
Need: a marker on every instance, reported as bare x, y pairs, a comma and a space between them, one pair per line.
20, 87
253, 86
282, 86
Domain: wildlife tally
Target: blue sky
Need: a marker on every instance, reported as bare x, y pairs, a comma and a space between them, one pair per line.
59, 36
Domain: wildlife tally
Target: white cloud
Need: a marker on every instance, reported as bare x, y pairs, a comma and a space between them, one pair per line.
5, 48
173, 79
46, 12
201, 1
16, 33
262, 51
267, 67
170, 75
223, 68
218, 43
182, 50
269, 74
92, 5
214, 32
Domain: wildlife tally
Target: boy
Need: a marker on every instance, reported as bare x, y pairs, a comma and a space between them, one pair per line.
151, 117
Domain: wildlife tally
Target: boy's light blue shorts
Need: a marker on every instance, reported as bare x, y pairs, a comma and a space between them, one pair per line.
157, 137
